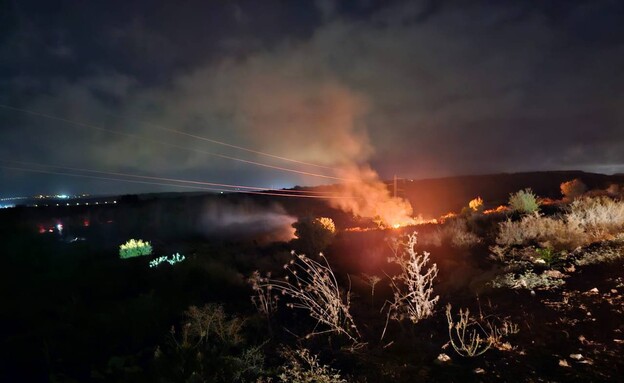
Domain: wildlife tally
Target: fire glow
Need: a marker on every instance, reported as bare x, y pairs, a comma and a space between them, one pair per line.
413, 221
369, 197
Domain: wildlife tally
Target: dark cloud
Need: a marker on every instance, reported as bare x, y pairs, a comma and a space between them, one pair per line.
419, 89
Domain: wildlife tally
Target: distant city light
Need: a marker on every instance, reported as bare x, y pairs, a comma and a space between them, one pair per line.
12, 198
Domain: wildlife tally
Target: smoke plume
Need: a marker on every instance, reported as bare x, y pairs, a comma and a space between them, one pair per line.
247, 220
295, 106
369, 197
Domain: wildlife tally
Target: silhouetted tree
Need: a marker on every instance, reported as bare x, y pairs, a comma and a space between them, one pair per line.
314, 235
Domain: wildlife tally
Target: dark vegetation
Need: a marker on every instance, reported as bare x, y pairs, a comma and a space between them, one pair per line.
439, 196
75, 312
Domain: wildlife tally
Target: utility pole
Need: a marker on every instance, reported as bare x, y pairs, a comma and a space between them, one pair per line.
395, 186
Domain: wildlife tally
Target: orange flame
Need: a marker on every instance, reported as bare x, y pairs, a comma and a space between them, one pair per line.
369, 197
499, 209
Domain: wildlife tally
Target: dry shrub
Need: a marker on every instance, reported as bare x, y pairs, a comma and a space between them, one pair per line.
600, 218
573, 189
539, 230
454, 232
587, 220
615, 191
263, 299
303, 367
314, 235
326, 223
210, 321
473, 336
413, 286
459, 235
135, 248
313, 287
524, 201
209, 347
432, 238
372, 281
529, 280
467, 336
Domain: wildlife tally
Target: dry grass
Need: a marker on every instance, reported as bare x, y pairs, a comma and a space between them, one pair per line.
372, 281
432, 238
458, 234
263, 299
206, 322
303, 367
473, 336
586, 220
538, 230
467, 337
600, 218
454, 232
529, 280
313, 287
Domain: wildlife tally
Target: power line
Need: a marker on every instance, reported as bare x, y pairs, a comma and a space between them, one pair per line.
168, 184
223, 143
135, 136
232, 186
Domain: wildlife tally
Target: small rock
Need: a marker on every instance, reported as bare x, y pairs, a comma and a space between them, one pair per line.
570, 269
554, 274
540, 261
594, 290
576, 356
443, 358
614, 291
479, 370
563, 363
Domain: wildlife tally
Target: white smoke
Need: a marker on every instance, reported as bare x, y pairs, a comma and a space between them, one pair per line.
248, 220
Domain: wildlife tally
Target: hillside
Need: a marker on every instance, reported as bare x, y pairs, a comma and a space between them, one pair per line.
440, 195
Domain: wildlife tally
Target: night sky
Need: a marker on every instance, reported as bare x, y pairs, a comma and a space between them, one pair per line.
417, 89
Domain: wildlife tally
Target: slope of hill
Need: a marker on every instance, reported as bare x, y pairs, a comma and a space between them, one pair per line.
438, 196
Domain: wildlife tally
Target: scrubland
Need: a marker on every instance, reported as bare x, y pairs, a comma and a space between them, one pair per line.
532, 290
